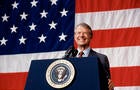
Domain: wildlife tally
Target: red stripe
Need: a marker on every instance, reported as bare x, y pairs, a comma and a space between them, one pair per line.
105, 5
126, 76
116, 37
12, 81
121, 76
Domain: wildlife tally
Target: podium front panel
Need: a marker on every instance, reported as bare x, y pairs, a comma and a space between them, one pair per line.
86, 75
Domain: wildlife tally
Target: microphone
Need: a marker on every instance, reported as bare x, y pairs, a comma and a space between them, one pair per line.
71, 52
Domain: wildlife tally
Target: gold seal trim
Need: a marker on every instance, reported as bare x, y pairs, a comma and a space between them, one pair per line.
62, 64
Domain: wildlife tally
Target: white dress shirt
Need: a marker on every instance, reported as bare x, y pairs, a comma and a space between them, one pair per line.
86, 52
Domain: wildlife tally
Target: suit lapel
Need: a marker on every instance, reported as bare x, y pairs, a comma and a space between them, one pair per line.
92, 53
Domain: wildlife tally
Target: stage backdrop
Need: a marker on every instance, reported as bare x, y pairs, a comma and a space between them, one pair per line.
44, 29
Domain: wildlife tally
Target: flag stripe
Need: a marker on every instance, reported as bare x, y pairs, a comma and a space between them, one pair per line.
10, 80
13, 81
105, 5
118, 57
111, 19
123, 76
116, 37
128, 88
122, 56
21, 62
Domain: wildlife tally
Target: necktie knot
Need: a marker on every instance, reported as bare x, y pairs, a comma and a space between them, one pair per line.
81, 53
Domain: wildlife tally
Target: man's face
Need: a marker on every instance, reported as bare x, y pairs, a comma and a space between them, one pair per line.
82, 36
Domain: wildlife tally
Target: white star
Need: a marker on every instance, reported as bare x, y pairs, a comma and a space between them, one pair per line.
22, 40
23, 16
42, 38
62, 37
5, 17
32, 27
53, 2
3, 41
13, 29
63, 13
34, 3
15, 5
43, 14
53, 25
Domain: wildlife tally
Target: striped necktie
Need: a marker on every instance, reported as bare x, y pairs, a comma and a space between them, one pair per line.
81, 53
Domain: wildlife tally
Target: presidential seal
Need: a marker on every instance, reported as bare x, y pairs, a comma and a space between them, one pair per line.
60, 73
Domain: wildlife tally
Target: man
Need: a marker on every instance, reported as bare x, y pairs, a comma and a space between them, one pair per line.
83, 35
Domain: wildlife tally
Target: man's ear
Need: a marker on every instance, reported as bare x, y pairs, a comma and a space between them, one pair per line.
91, 36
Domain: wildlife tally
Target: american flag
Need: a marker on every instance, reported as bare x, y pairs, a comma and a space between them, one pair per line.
43, 29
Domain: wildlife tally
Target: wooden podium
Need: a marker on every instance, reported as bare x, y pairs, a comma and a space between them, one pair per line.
89, 75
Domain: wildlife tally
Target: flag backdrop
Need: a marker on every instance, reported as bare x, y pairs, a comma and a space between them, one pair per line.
43, 29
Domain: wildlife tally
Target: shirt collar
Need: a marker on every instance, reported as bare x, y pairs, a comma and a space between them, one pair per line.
86, 51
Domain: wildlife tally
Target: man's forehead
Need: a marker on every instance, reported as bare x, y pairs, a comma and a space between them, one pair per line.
81, 29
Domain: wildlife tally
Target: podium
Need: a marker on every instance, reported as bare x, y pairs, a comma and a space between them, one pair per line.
89, 75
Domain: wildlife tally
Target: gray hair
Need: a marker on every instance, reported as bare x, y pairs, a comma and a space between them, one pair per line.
85, 25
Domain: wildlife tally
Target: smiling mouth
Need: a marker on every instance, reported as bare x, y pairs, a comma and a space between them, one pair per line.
81, 39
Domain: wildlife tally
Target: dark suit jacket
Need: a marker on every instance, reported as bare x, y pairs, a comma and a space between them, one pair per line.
104, 61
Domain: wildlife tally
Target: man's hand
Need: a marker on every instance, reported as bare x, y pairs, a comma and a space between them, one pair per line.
110, 84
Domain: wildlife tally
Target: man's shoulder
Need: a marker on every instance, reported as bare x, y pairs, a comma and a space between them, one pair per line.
93, 52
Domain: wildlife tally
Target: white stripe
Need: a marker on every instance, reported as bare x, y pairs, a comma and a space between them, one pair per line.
122, 56
128, 88
110, 19
21, 62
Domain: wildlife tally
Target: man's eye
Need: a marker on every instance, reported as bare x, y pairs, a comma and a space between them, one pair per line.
81, 33
77, 32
